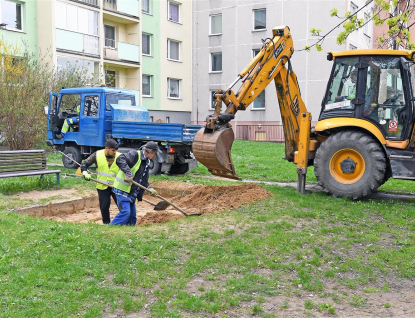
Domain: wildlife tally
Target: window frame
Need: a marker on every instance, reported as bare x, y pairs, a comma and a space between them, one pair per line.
169, 2
211, 99
211, 63
253, 103
114, 80
149, 43
169, 79
210, 24
149, 7
169, 41
115, 37
16, 4
149, 83
366, 28
353, 7
253, 18
255, 54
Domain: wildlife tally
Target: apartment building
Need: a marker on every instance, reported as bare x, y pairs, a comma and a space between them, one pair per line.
18, 24
228, 34
167, 59
140, 45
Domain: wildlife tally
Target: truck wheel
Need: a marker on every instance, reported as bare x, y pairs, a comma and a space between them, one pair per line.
155, 166
73, 153
350, 164
179, 168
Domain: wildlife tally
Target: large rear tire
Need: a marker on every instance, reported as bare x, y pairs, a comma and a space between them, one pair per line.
155, 166
72, 153
350, 164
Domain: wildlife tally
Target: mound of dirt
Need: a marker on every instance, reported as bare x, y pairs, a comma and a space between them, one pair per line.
214, 199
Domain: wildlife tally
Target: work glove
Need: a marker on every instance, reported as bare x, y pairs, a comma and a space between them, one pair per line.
128, 179
153, 192
87, 176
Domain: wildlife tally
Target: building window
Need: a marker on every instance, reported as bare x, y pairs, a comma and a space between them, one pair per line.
146, 85
146, 6
352, 47
11, 15
259, 102
353, 8
367, 25
110, 78
173, 50
260, 19
216, 24
75, 18
212, 98
173, 88
255, 52
109, 31
146, 44
173, 11
167, 119
216, 62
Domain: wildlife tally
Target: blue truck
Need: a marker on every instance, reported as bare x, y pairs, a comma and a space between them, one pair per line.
106, 112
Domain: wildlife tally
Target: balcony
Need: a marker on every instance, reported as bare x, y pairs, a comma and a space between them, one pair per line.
128, 7
77, 42
124, 52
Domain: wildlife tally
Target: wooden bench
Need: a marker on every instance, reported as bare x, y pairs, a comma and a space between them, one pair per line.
23, 163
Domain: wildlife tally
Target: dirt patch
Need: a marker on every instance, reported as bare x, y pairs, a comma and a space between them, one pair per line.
67, 205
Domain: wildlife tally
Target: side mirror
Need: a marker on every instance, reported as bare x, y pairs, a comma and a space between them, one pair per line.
45, 109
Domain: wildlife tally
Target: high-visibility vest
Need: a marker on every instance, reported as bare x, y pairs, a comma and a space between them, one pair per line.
120, 183
105, 173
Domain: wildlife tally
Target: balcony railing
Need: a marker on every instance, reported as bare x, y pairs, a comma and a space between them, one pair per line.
110, 5
130, 7
90, 2
124, 51
78, 42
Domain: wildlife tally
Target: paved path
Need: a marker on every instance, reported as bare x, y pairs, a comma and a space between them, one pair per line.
316, 188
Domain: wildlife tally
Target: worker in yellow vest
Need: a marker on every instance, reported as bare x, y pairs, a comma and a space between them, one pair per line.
107, 169
134, 165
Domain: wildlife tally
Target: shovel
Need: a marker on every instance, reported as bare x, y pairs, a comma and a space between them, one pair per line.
168, 202
162, 205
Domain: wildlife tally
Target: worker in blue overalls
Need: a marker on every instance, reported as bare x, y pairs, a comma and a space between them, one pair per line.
134, 165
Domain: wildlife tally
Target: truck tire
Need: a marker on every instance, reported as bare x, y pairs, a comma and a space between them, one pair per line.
155, 166
350, 164
73, 153
179, 168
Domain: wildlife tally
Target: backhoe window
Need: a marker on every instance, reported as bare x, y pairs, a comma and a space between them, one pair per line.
342, 89
384, 100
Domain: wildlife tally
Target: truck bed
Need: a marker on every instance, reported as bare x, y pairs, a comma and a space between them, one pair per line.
170, 132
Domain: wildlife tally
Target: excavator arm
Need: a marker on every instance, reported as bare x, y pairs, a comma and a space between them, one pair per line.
212, 144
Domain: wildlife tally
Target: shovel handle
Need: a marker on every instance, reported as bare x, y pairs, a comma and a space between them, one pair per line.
160, 197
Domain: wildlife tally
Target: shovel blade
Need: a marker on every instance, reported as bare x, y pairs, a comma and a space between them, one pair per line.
213, 150
162, 205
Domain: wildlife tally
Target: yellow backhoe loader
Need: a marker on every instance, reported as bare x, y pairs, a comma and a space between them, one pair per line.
365, 131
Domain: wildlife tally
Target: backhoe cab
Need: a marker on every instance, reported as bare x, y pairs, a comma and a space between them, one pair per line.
365, 130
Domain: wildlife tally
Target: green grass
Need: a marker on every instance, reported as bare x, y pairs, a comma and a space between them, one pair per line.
227, 264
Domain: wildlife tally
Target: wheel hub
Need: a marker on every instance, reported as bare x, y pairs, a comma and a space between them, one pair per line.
348, 165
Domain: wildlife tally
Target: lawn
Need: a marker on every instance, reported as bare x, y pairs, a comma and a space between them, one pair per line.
263, 259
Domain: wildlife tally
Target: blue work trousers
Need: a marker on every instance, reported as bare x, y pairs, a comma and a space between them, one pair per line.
127, 214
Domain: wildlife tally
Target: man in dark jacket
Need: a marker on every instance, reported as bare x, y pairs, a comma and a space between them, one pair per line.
134, 165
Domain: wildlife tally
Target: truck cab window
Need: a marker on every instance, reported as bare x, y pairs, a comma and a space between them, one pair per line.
342, 88
69, 105
91, 106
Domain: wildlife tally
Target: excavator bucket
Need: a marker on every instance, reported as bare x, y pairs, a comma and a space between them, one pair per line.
212, 148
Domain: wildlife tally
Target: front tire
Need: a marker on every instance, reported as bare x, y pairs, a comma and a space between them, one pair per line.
350, 164
74, 154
